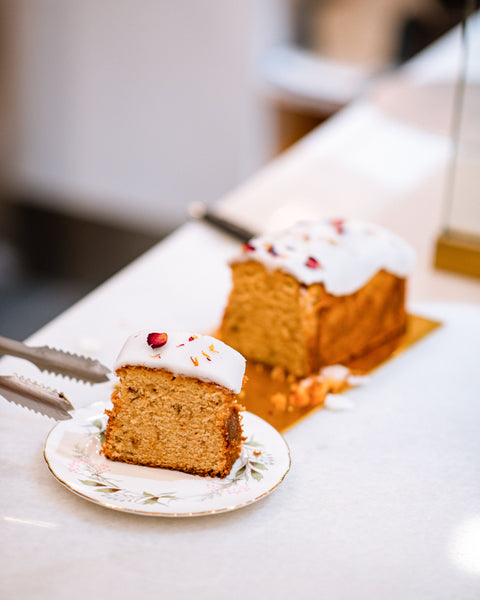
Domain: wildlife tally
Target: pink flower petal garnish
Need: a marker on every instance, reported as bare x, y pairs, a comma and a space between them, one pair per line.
312, 263
339, 225
157, 340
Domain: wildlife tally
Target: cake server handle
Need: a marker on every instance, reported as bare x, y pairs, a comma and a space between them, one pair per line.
199, 210
57, 361
37, 397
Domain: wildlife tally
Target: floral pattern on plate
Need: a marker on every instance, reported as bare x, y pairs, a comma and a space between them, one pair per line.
72, 452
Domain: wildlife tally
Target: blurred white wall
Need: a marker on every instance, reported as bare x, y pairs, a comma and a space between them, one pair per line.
126, 111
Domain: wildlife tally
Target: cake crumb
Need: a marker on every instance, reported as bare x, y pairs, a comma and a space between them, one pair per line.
278, 373
279, 401
314, 390
309, 392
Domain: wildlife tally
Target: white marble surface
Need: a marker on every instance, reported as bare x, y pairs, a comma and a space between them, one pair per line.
381, 499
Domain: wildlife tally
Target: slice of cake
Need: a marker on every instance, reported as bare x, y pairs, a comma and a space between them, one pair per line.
320, 293
176, 406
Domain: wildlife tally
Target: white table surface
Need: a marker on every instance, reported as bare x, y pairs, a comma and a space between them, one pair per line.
382, 500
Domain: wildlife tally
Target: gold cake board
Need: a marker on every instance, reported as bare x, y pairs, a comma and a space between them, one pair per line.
260, 385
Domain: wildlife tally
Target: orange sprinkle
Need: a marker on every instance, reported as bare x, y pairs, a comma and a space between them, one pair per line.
205, 354
194, 360
211, 347
256, 453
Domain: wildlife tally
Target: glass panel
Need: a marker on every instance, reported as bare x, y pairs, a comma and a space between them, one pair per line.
463, 194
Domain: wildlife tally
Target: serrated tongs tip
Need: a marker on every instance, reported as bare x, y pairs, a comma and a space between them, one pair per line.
57, 361
70, 365
35, 396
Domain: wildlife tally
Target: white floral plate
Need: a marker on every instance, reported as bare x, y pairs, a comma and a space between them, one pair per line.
72, 452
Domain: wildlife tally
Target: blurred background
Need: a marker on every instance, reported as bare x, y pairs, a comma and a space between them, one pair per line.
115, 116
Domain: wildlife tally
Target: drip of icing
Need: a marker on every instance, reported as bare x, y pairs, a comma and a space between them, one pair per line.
343, 255
189, 354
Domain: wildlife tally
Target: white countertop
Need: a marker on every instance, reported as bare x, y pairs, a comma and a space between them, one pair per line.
381, 500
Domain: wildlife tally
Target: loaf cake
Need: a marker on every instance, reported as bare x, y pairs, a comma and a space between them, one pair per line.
320, 293
176, 405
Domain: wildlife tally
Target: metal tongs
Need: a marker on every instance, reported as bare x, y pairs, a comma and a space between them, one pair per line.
39, 397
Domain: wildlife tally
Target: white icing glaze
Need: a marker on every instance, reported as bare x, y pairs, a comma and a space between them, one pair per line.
337, 402
336, 372
343, 255
340, 373
189, 354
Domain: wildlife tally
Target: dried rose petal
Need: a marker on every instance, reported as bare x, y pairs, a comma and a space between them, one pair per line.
339, 225
312, 263
156, 340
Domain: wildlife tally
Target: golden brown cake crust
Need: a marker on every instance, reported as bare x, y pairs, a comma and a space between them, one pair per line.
164, 420
274, 319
